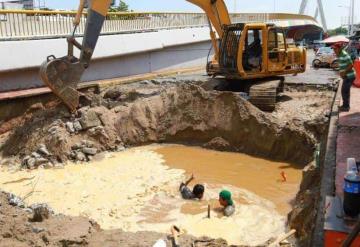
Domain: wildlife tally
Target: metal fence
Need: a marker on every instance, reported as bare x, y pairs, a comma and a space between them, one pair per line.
28, 24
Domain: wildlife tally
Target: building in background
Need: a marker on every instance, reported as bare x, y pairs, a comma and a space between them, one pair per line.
10, 4
28, 4
16, 4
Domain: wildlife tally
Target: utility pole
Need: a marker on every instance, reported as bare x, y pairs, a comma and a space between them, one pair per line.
352, 14
274, 6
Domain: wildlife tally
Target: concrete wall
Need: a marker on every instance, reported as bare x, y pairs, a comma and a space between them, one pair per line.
115, 56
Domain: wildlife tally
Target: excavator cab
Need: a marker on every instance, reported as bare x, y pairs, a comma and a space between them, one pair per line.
255, 50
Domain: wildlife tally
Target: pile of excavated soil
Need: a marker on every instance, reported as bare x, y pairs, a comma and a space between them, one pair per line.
159, 112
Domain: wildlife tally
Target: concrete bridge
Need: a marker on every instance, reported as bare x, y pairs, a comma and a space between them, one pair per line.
131, 43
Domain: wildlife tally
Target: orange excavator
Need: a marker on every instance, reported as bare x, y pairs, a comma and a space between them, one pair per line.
242, 51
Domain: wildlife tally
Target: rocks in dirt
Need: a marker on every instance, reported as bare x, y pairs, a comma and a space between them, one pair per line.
70, 127
89, 119
86, 143
120, 148
42, 157
43, 150
28, 210
99, 133
112, 93
89, 151
73, 127
15, 201
77, 126
29, 162
79, 156
41, 161
35, 155
41, 212
218, 143
53, 130
83, 151
37, 229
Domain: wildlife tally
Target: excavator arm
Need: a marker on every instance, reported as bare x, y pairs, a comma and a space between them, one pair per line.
63, 74
216, 11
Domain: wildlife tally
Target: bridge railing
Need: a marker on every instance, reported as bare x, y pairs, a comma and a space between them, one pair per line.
51, 24
37, 24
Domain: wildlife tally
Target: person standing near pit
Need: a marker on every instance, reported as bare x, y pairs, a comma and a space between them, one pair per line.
226, 201
347, 73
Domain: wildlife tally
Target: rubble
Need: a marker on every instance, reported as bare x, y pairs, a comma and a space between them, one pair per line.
43, 150
70, 127
41, 212
89, 119
15, 201
80, 156
89, 151
77, 126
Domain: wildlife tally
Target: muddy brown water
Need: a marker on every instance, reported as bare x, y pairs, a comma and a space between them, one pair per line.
137, 190
260, 176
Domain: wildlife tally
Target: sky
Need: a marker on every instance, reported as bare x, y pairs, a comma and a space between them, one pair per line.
335, 15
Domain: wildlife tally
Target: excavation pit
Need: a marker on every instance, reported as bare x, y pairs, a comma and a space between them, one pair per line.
172, 111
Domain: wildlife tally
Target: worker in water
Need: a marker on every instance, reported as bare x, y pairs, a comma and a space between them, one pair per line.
196, 193
226, 201
347, 73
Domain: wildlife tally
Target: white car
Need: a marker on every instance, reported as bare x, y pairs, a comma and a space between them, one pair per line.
325, 57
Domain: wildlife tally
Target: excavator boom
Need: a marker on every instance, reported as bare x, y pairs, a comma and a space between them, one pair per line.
216, 11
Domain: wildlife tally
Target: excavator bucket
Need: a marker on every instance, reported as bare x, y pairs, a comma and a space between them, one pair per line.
63, 74
62, 77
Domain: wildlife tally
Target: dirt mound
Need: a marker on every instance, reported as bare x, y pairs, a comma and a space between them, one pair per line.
18, 229
157, 112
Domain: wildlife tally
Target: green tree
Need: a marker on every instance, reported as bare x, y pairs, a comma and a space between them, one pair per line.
338, 31
123, 7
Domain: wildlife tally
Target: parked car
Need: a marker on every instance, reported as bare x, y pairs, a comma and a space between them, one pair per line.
316, 45
325, 57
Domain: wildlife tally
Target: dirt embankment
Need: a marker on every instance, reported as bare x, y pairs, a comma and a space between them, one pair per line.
169, 112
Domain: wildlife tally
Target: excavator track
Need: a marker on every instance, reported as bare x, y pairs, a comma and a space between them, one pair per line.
264, 96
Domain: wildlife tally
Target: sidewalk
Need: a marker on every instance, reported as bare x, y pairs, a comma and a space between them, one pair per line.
348, 139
